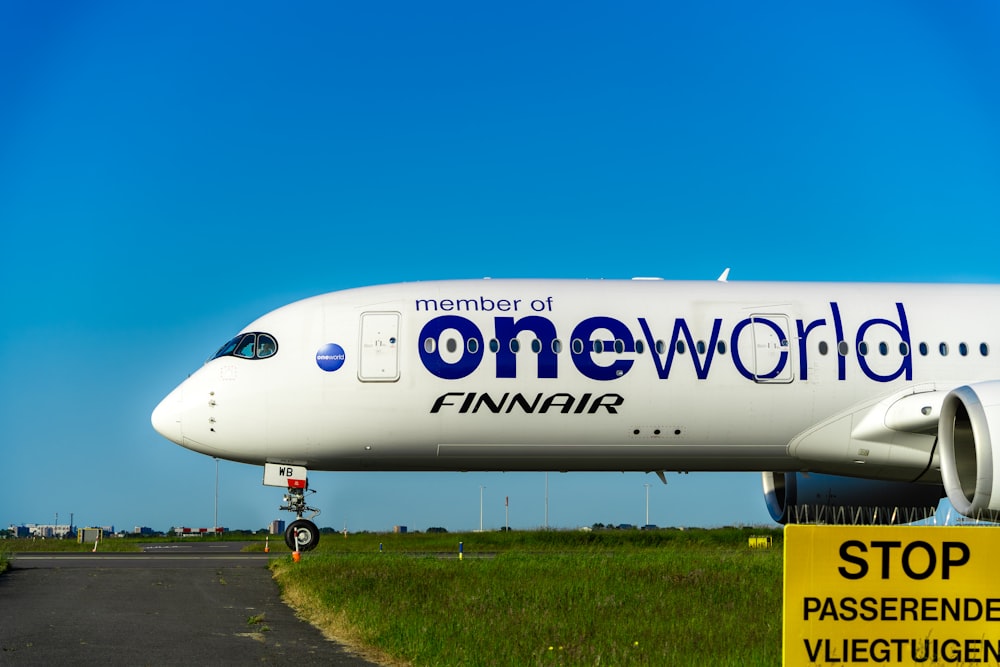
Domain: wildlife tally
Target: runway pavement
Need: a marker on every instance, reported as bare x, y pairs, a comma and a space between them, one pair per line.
189, 603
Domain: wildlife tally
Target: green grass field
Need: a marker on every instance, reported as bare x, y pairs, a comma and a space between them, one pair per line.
547, 598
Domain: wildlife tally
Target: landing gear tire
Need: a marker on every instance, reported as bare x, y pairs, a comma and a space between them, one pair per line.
305, 531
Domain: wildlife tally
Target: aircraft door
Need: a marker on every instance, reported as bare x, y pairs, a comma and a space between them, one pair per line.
772, 350
379, 361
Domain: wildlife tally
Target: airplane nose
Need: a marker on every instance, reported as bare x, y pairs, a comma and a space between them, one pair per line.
166, 417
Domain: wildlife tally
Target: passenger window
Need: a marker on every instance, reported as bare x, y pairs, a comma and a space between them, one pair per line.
429, 345
701, 347
963, 349
863, 348
984, 349
680, 347
904, 349
923, 349
557, 346
639, 347
619, 346
577, 345
943, 349
494, 345
536, 346
721, 347
472, 345
883, 348
451, 345
843, 348
823, 348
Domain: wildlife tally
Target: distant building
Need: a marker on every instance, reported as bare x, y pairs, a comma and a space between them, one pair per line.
399, 529
277, 527
184, 531
46, 531
142, 530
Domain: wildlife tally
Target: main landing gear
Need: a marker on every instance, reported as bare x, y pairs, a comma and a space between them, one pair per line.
301, 534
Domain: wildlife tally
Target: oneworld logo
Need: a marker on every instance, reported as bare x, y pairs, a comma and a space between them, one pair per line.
758, 347
330, 357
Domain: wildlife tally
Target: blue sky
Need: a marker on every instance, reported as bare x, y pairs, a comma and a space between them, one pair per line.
168, 173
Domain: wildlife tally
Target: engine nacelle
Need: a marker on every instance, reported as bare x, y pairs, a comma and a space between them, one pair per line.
969, 415
796, 497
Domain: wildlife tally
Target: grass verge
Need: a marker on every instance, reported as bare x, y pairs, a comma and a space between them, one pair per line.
663, 597
27, 544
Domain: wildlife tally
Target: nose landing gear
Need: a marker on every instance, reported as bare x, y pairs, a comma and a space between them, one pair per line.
301, 534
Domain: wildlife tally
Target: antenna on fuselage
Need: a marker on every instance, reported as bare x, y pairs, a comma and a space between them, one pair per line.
724, 277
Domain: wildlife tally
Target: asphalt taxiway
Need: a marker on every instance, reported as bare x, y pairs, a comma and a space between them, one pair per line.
172, 604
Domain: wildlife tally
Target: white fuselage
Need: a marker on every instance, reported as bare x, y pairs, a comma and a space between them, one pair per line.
597, 375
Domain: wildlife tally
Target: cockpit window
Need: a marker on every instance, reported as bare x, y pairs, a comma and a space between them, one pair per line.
254, 345
246, 346
266, 346
227, 349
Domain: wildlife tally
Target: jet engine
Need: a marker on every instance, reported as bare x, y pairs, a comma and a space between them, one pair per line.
795, 497
969, 468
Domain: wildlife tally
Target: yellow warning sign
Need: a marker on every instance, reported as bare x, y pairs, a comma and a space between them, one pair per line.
899, 595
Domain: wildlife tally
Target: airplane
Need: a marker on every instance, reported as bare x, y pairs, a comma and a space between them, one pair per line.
857, 396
